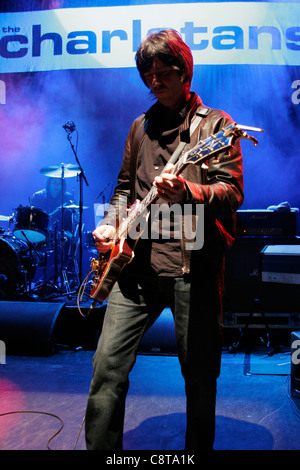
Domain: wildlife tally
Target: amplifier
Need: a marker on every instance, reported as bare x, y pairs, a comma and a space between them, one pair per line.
281, 264
266, 222
243, 281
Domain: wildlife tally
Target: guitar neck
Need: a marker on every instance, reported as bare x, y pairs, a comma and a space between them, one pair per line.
202, 151
136, 211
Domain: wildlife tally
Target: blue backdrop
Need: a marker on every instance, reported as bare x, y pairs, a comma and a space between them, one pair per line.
103, 100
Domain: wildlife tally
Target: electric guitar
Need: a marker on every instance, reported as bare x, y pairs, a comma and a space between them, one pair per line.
107, 268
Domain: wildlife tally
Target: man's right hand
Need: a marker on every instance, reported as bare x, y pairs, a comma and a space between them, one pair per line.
103, 237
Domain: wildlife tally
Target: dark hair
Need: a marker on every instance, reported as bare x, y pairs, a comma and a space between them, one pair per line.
168, 46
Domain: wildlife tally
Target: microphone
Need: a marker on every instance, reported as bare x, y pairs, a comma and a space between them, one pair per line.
69, 127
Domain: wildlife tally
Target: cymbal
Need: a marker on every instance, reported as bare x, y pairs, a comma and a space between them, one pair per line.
73, 206
5, 218
61, 171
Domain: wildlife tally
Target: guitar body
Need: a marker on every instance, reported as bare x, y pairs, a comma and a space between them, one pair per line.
108, 268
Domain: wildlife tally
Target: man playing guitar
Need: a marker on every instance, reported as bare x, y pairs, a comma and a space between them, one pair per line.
165, 271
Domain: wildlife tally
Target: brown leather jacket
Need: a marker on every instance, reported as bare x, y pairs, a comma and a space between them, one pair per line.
219, 187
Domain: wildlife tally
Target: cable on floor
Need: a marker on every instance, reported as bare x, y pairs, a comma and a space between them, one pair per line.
42, 413
79, 432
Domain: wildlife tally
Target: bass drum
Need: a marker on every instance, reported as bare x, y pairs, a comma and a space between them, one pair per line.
17, 264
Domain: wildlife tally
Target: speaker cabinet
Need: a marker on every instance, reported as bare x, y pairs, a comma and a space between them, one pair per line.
29, 327
243, 278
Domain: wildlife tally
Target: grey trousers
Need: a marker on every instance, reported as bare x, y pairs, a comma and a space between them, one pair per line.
134, 305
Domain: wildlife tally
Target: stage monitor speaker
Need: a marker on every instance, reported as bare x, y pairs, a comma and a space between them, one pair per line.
295, 364
29, 328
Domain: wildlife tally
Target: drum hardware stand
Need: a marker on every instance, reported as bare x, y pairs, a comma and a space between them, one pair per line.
55, 254
60, 282
65, 281
62, 232
29, 281
63, 271
73, 249
70, 128
61, 246
71, 266
74, 267
59, 262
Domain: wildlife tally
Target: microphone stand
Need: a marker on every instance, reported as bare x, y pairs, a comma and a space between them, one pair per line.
81, 178
62, 232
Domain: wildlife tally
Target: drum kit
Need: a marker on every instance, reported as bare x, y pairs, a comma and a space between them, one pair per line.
30, 248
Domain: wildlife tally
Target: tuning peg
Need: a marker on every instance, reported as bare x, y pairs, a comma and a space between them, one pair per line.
248, 128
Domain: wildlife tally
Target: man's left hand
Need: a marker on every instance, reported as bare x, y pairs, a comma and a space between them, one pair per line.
170, 187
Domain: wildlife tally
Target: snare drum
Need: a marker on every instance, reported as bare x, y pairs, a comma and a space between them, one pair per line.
31, 224
17, 263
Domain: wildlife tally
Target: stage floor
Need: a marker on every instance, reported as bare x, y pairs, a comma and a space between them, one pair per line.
43, 402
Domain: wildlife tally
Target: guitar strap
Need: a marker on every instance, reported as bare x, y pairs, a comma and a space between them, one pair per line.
201, 113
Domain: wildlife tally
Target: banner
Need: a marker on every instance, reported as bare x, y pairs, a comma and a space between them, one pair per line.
108, 37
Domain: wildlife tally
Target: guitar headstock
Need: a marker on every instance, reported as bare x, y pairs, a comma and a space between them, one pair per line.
219, 142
